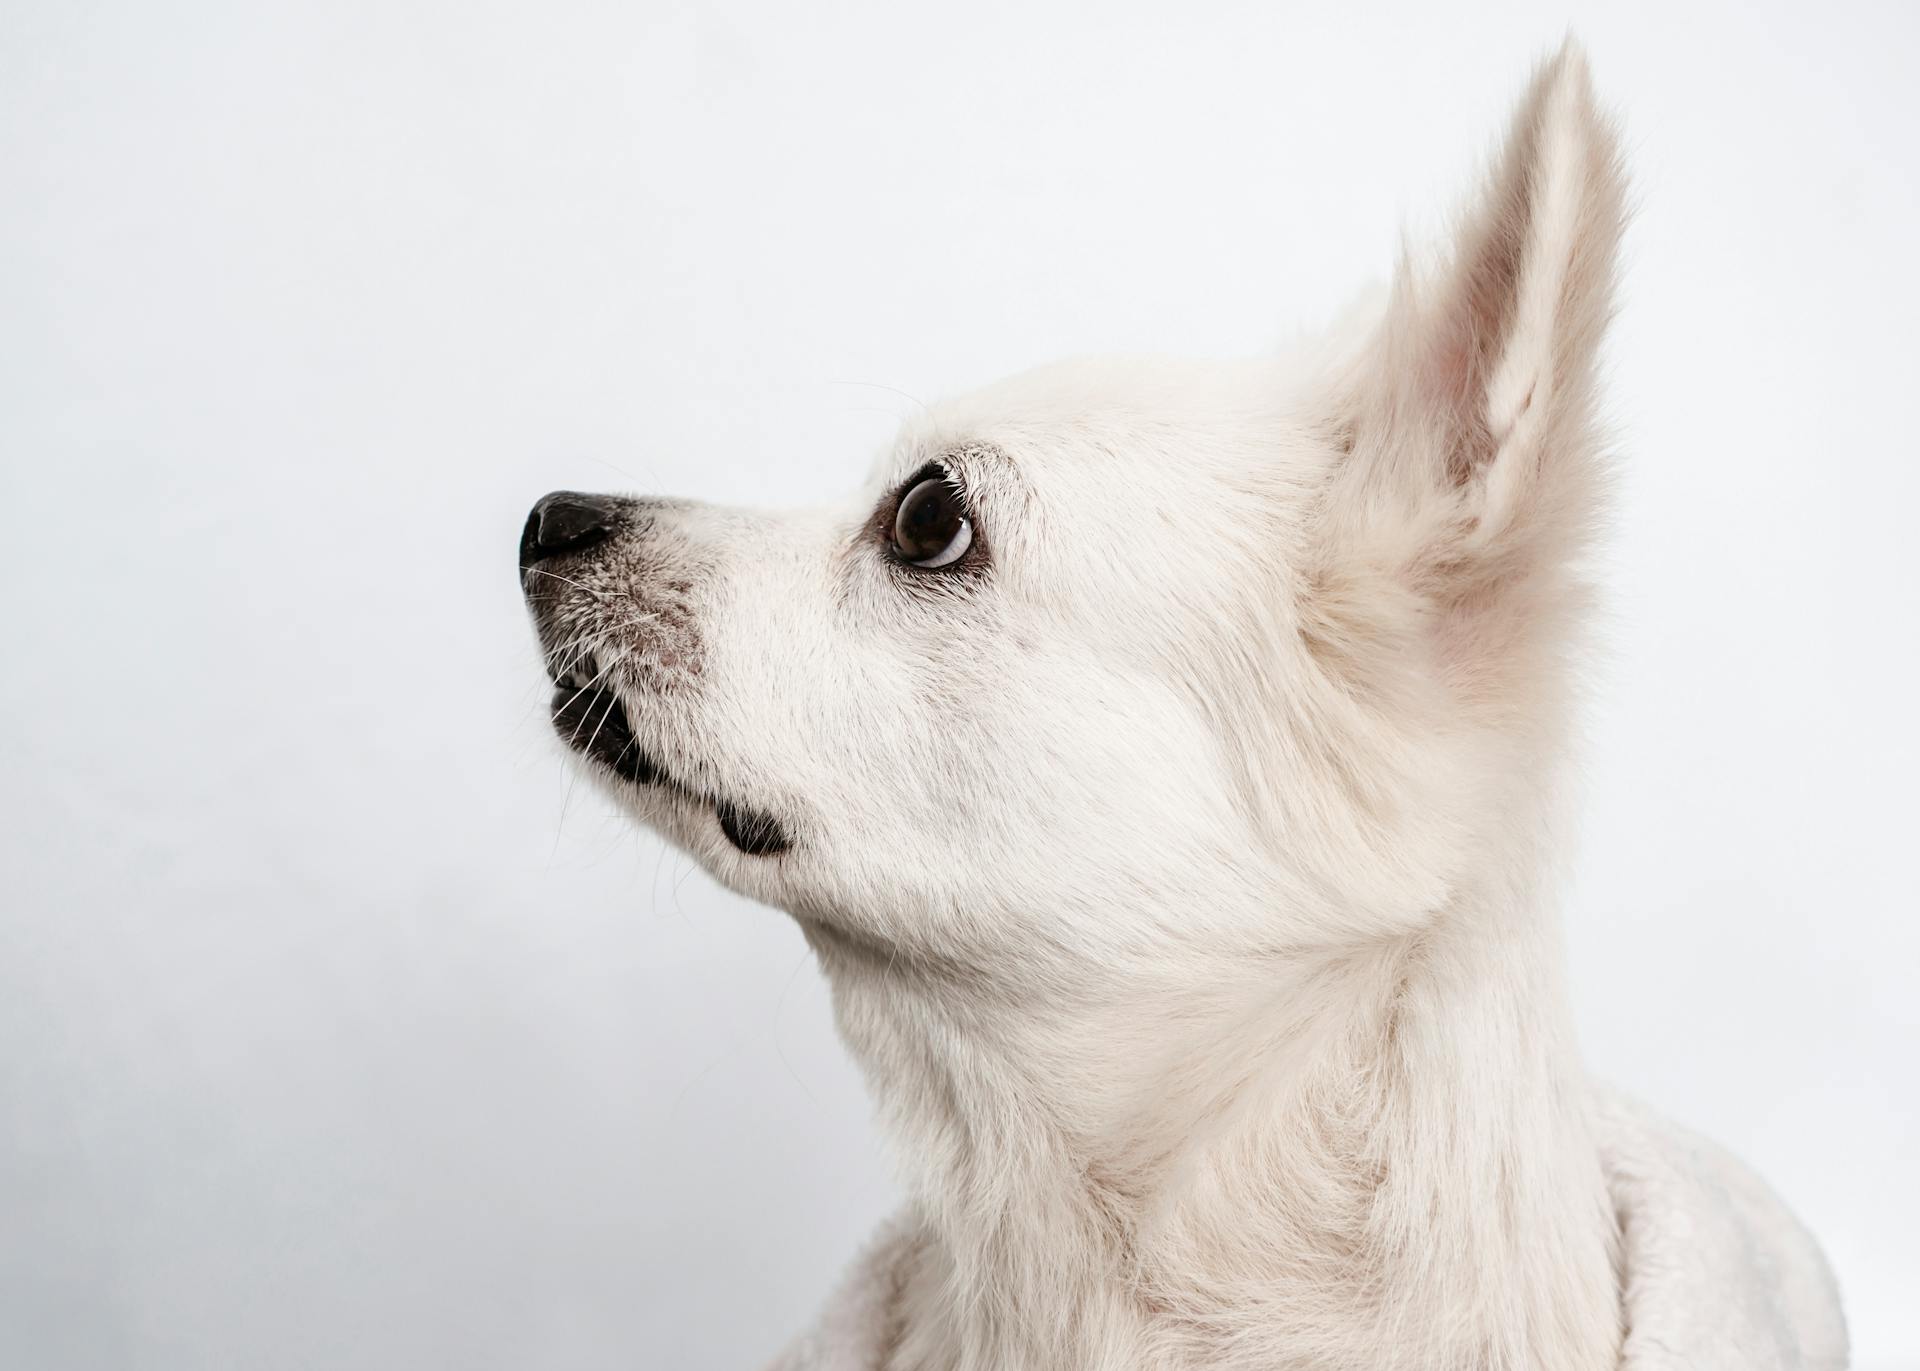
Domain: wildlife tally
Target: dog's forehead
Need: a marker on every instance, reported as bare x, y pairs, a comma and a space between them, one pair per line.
1094, 416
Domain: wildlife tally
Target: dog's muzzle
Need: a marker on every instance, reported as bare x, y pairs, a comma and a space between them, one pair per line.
587, 714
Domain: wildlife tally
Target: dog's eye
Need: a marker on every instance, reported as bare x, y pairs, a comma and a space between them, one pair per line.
931, 529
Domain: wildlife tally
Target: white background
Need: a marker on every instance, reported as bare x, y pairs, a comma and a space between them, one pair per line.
338, 1031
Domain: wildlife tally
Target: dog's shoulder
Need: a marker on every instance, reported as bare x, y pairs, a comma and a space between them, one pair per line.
858, 1325
1716, 1270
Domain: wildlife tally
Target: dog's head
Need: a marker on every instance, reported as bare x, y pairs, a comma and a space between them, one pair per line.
1117, 658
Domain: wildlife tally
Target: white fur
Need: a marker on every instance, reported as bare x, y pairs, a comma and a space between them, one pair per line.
1184, 877
1716, 1274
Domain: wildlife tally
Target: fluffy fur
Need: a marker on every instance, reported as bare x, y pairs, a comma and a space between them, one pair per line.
1181, 861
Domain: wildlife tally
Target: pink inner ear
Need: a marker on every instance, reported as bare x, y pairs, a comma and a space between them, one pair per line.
1454, 377
1472, 319
1449, 366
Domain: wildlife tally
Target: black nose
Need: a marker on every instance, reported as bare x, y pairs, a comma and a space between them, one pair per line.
565, 521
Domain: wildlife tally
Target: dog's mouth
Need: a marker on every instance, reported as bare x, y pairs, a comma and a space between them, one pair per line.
590, 720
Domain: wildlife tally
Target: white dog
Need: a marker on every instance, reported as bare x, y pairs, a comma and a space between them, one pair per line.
1164, 763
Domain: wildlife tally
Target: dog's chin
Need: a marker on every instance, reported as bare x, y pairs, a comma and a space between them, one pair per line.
591, 721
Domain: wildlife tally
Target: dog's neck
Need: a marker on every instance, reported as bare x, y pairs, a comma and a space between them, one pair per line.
1377, 1158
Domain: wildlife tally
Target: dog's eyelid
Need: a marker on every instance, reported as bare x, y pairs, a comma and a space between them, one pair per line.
972, 469
937, 469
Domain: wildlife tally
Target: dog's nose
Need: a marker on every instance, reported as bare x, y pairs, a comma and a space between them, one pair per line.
565, 521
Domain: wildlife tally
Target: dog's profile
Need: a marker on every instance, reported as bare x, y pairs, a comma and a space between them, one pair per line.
1163, 761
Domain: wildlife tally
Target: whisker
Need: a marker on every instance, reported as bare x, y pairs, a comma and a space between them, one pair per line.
560, 824
597, 592
591, 649
780, 1048
876, 385
605, 714
654, 480
576, 651
573, 738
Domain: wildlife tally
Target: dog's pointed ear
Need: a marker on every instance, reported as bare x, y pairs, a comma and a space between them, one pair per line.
1467, 420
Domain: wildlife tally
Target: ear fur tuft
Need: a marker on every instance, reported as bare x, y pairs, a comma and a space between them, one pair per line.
1471, 409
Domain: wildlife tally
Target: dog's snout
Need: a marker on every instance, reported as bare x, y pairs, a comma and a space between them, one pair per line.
566, 521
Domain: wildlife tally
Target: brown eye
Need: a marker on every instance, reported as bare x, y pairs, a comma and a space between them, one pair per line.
930, 528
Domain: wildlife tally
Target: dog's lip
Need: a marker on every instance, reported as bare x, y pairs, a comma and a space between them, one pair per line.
591, 720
